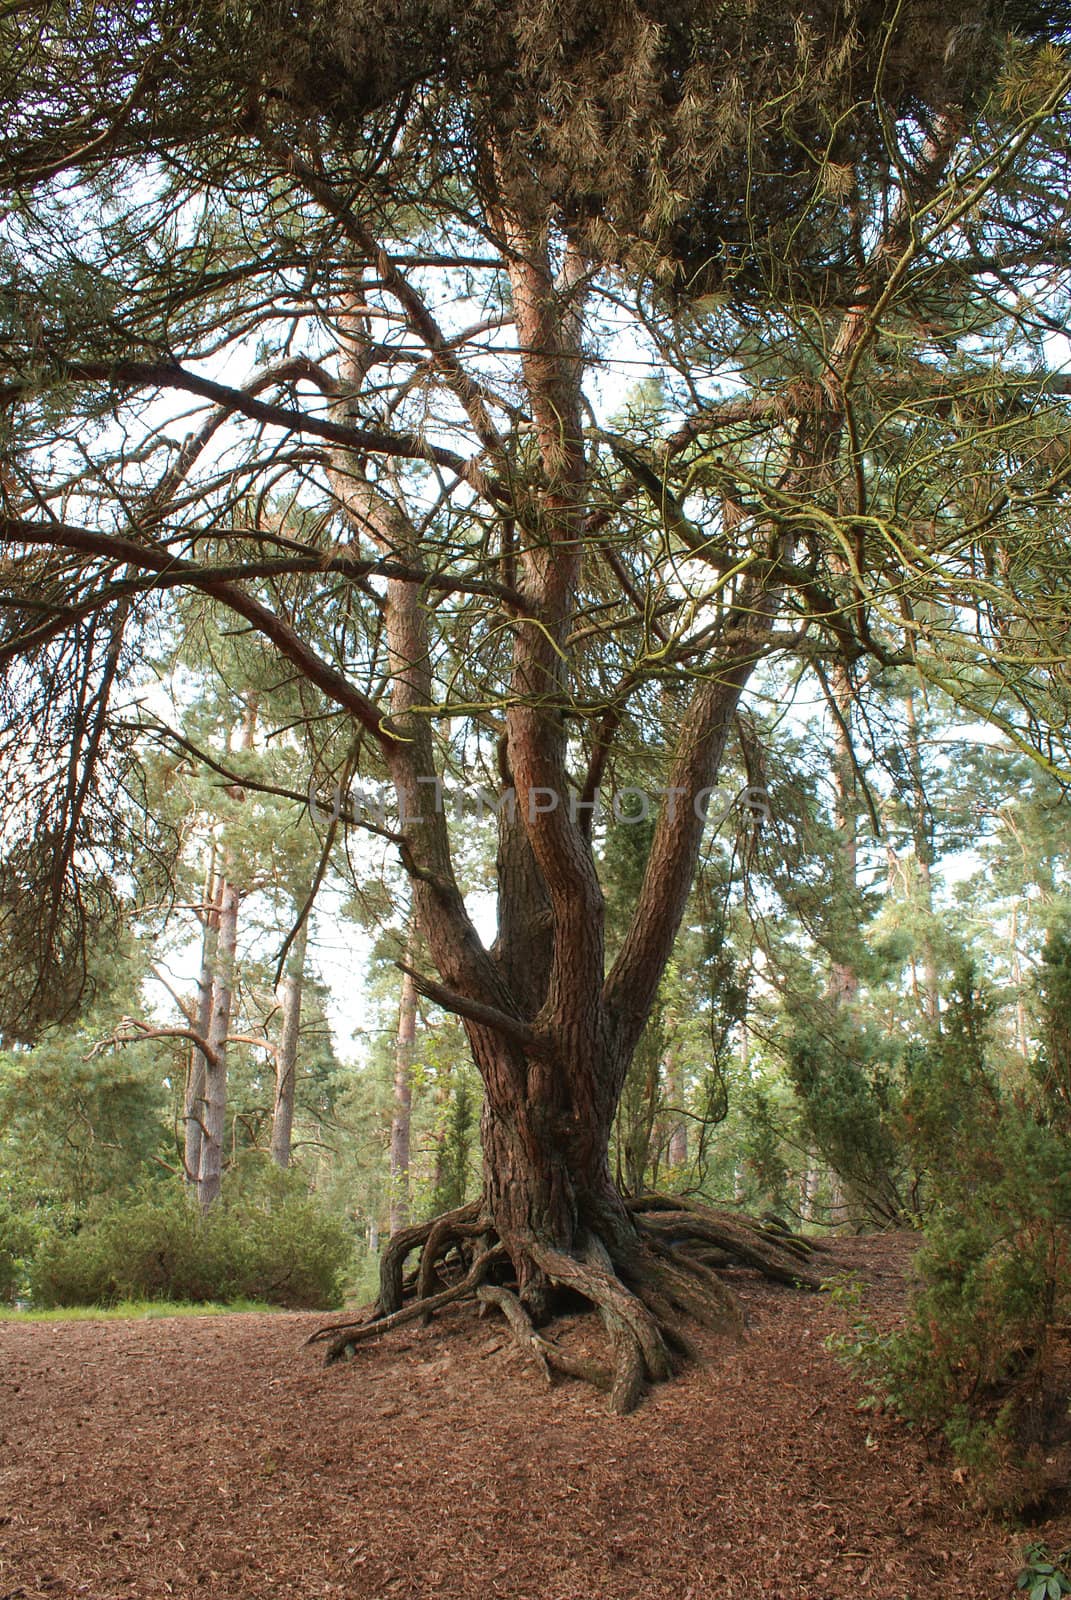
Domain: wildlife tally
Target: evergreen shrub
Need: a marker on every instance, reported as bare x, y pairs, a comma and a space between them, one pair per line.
282, 1248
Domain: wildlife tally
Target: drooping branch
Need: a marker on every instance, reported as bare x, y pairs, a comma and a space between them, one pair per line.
130, 1030
270, 624
175, 572
171, 375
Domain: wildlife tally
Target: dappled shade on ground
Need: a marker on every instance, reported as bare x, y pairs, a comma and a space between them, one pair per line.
219, 1457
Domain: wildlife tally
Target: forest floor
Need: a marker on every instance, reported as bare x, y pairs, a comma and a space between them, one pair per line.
219, 1458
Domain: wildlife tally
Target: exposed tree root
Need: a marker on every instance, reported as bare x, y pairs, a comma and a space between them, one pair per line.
400, 1246
646, 1278
691, 1287
344, 1337
776, 1255
545, 1352
636, 1339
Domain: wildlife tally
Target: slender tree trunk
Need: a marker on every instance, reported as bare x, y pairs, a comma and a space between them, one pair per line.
402, 1104
210, 1172
1022, 1031
844, 979
677, 1151
195, 1079
923, 841
215, 1095
812, 1173
441, 1099
288, 994
838, 1204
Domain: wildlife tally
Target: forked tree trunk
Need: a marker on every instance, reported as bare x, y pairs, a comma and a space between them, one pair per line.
551, 1032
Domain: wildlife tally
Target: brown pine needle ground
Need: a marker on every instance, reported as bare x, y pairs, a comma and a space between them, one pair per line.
217, 1457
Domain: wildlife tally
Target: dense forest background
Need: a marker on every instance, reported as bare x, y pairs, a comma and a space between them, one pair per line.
864, 900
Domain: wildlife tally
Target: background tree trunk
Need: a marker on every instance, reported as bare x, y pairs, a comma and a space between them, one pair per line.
922, 831
289, 995
402, 1102
195, 1079
214, 1122
677, 1149
843, 978
210, 1172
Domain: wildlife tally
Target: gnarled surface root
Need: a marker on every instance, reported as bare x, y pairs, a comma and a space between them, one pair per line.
401, 1245
782, 1257
646, 1278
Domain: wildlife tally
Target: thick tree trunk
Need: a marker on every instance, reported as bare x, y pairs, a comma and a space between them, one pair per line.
546, 1131
551, 1226
289, 996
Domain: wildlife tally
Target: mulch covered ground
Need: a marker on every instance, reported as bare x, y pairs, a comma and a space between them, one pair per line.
217, 1457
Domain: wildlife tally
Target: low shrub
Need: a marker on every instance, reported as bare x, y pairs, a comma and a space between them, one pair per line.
282, 1248
18, 1238
983, 1355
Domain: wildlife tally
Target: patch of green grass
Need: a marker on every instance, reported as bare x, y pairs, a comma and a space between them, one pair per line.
136, 1310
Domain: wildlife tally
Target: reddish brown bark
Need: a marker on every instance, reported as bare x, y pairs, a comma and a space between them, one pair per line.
552, 1032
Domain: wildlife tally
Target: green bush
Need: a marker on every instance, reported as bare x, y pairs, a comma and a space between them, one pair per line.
848, 1081
18, 1237
282, 1248
980, 1354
